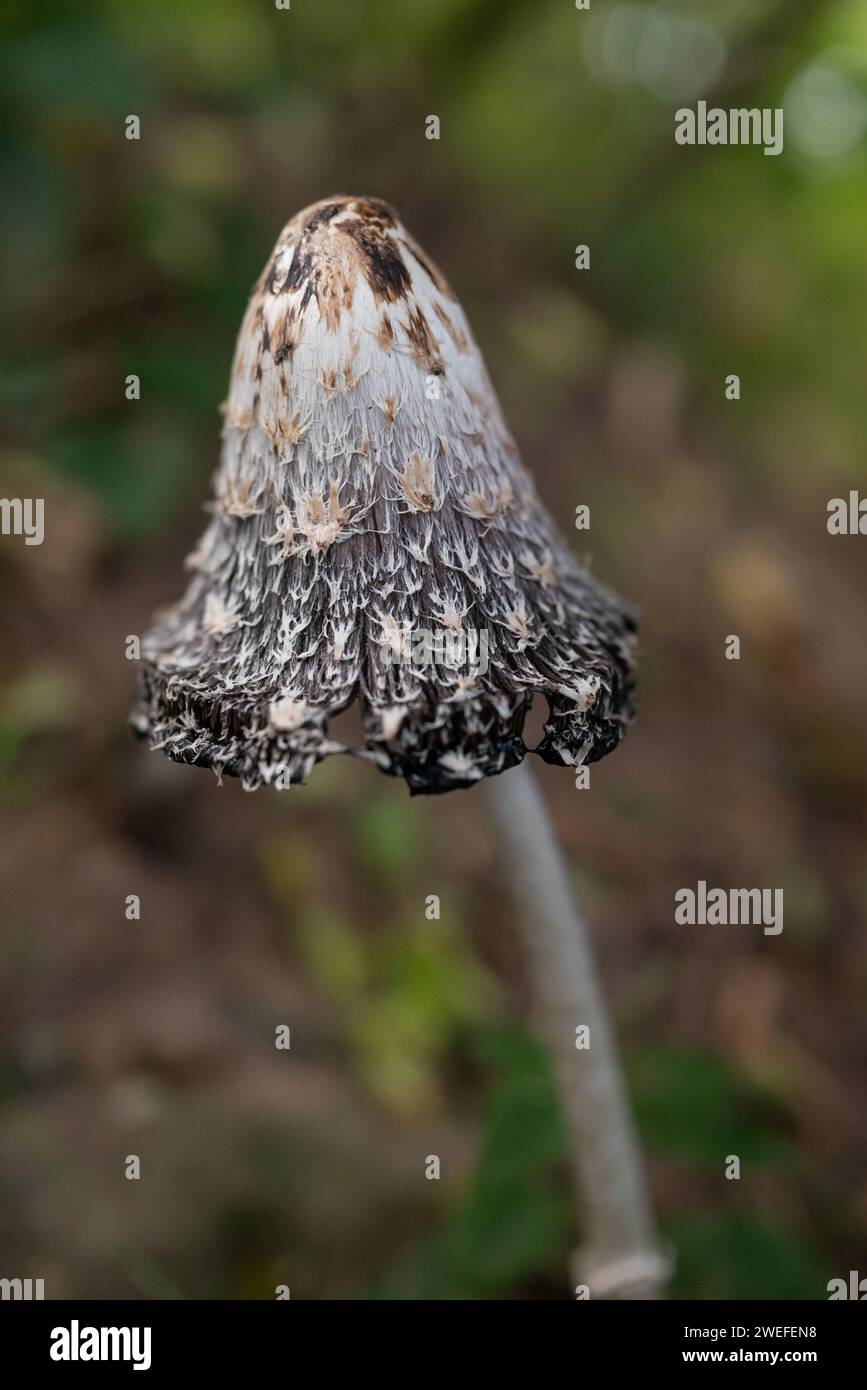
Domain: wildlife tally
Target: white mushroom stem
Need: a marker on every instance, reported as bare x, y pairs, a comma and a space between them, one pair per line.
620, 1255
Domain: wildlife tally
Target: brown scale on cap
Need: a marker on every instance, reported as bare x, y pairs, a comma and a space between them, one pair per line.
284, 339
384, 334
459, 339
423, 343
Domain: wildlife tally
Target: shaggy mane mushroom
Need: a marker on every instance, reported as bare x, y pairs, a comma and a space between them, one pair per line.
374, 537
368, 485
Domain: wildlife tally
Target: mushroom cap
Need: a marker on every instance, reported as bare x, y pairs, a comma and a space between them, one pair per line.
375, 537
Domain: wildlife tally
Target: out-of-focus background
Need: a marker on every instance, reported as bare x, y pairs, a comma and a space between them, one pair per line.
411, 1037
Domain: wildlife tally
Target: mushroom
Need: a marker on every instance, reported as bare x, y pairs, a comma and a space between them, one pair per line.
369, 491
375, 538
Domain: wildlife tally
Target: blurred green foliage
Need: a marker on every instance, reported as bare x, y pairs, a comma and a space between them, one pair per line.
742, 1255
40, 703
388, 842
511, 1223
406, 995
691, 1107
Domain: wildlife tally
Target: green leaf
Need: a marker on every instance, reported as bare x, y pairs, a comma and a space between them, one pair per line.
514, 1221
740, 1255
143, 474
689, 1106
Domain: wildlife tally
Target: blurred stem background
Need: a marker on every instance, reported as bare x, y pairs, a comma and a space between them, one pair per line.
619, 1255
